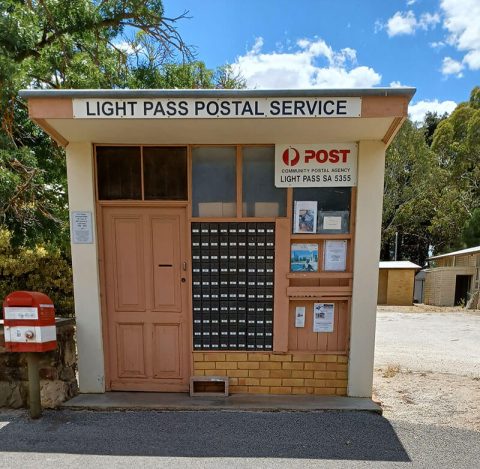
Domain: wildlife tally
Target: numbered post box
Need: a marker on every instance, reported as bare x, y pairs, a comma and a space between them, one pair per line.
29, 322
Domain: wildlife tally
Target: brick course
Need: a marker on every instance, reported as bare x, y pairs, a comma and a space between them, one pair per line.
268, 373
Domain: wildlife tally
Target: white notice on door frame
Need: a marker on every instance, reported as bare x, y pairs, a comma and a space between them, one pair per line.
82, 230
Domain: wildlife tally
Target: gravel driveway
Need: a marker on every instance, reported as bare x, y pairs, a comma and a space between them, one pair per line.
438, 342
427, 367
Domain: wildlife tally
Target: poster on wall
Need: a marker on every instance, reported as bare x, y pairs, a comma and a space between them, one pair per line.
300, 316
323, 317
304, 258
305, 216
335, 256
82, 229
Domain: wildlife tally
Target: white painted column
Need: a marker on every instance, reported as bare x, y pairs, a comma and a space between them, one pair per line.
81, 196
371, 167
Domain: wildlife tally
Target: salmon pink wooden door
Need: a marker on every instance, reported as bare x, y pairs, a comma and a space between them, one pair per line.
146, 298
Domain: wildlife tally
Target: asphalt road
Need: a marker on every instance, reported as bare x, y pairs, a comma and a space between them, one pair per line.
444, 342
438, 342
79, 439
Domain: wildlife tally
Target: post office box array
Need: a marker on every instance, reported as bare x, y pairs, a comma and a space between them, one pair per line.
232, 285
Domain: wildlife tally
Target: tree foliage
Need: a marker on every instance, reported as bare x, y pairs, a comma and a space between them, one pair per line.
76, 44
432, 184
39, 268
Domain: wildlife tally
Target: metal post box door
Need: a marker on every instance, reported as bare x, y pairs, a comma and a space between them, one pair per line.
29, 322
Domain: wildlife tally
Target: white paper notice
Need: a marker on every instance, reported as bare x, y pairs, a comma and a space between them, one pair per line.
300, 316
82, 230
323, 317
335, 256
332, 223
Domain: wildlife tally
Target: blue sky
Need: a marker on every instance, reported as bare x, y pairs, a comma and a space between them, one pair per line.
433, 45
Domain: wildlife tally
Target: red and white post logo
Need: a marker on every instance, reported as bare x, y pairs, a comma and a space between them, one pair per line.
316, 165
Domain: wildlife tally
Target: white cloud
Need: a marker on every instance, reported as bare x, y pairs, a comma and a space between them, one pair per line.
311, 64
396, 84
462, 21
417, 111
405, 22
410, 2
437, 44
452, 67
472, 59
126, 47
401, 23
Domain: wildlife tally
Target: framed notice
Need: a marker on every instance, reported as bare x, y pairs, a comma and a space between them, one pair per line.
82, 230
335, 256
334, 222
305, 216
304, 258
323, 317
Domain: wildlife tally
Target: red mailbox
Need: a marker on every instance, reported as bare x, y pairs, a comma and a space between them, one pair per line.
29, 322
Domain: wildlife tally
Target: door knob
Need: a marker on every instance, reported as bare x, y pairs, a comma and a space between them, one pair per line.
184, 279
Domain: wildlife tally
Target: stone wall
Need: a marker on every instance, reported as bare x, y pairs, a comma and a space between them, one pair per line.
268, 373
58, 369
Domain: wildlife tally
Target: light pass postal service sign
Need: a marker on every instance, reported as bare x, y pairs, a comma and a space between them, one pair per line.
223, 108
316, 165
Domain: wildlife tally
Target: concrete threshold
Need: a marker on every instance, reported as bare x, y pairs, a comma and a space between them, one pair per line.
236, 402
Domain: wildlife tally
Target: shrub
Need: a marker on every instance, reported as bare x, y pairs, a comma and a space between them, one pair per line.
42, 268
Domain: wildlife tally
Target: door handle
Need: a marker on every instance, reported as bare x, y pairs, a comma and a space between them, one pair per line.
185, 266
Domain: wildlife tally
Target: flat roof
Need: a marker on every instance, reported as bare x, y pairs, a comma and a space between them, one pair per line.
203, 93
398, 265
379, 113
457, 253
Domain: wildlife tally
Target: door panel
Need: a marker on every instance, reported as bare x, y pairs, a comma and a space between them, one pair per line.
129, 274
166, 341
130, 350
146, 300
165, 244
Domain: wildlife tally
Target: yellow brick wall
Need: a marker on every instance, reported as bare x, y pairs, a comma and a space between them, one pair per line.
400, 287
440, 284
268, 373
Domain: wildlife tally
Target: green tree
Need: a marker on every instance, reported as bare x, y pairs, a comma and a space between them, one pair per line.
471, 230
411, 190
430, 123
456, 144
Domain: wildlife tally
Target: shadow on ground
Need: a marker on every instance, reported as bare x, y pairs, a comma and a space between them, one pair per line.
310, 435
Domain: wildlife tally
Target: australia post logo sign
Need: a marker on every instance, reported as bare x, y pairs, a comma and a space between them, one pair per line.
316, 165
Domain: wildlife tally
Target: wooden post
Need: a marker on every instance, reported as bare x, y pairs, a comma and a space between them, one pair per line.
34, 385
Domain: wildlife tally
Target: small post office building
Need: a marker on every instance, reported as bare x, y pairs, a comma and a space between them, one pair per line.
231, 233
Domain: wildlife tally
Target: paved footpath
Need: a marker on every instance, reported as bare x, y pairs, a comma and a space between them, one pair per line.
79, 439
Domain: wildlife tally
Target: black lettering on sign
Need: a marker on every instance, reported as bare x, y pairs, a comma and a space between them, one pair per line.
299, 107
159, 109
341, 107
212, 108
225, 108
171, 108
236, 105
183, 108
147, 106
107, 108
247, 109
199, 106
89, 113
312, 107
330, 109
275, 108
257, 110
